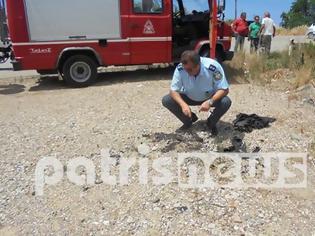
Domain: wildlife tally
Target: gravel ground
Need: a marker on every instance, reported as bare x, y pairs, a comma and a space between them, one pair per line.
121, 112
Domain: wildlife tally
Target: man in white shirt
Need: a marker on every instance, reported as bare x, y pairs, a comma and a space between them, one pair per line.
267, 31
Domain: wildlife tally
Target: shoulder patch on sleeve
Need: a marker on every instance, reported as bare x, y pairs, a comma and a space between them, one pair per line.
217, 75
212, 68
180, 67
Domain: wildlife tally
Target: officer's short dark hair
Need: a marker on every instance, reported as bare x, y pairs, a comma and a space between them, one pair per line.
190, 56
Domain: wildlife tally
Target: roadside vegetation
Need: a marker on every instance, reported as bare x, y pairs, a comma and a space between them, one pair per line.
299, 30
294, 70
302, 12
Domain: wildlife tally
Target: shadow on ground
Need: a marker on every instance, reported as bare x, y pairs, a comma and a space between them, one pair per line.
11, 89
108, 78
6, 69
228, 140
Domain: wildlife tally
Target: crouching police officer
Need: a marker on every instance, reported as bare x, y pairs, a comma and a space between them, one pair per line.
198, 81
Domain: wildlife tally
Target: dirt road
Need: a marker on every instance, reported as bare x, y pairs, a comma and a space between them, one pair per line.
120, 112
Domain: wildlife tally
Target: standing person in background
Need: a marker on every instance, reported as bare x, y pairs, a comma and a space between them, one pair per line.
268, 30
253, 36
240, 29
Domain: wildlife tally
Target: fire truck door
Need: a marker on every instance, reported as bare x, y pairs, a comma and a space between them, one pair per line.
150, 27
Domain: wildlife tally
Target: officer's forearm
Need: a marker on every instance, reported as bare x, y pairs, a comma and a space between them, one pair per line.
178, 99
220, 94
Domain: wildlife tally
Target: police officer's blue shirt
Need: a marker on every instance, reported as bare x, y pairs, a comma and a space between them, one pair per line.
203, 86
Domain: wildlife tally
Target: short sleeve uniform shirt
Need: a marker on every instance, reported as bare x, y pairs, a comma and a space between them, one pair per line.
210, 79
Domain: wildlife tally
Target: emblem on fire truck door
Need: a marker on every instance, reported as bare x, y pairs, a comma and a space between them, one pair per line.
148, 28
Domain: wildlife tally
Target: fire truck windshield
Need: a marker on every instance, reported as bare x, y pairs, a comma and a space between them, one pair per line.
195, 7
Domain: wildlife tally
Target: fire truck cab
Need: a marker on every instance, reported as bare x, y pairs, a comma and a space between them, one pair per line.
75, 37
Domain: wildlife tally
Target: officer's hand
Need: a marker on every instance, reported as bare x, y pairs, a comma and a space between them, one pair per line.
205, 106
186, 110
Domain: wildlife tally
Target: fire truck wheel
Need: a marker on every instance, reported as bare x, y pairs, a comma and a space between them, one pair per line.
205, 52
219, 56
79, 71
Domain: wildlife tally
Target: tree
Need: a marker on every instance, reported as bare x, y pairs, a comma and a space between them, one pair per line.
302, 12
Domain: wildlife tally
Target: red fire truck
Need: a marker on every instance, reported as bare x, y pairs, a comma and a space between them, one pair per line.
75, 37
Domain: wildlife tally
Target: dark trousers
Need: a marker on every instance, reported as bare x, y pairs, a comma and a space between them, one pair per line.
254, 42
221, 107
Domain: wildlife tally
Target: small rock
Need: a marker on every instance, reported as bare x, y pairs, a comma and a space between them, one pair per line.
72, 125
211, 226
144, 149
309, 101
106, 222
156, 200
182, 209
130, 220
295, 137
85, 188
236, 218
98, 181
256, 149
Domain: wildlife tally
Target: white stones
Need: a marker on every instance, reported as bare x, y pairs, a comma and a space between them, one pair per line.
144, 149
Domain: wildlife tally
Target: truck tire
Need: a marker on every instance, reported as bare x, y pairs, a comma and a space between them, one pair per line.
205, 52
219, 56
79, 71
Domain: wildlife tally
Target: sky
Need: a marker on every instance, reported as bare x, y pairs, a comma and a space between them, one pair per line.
258, 7
251, 7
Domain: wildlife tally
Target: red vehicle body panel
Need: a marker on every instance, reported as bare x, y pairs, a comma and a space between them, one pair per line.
134, 47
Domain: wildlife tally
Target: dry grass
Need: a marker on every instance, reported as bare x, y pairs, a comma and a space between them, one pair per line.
255, 67
302, 76
300, 30
235, 69
298, 69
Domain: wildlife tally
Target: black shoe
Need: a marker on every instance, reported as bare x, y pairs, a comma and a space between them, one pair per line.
213, 129
184, 127
194, 117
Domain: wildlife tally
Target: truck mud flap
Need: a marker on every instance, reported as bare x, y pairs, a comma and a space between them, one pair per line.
16, 65
229, 55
